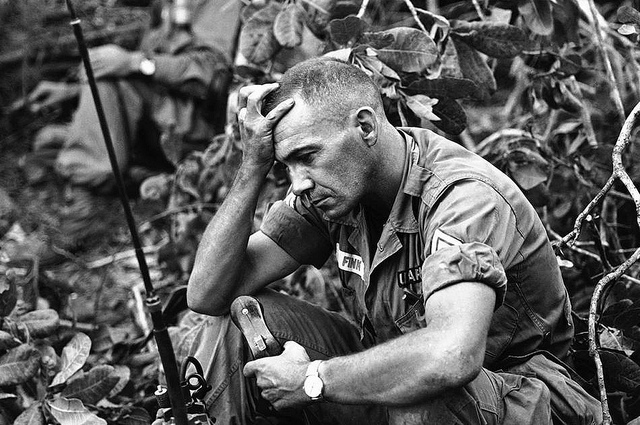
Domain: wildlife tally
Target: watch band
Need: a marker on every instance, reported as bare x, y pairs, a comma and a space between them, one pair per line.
312, 369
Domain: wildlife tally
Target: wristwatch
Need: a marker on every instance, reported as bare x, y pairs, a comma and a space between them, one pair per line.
313, 384
147, 67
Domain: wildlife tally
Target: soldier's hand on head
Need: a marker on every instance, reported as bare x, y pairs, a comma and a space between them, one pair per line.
281, 378
111, 60
256, 130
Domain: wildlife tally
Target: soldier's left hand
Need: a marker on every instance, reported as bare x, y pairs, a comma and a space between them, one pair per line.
111, 60
280, 378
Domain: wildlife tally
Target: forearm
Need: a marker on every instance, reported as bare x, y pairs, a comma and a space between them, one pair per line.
222, 251
403, 371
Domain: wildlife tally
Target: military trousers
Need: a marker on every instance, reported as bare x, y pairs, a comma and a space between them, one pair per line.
491, 398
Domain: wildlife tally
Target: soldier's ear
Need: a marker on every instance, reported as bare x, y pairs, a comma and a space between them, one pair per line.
367, 125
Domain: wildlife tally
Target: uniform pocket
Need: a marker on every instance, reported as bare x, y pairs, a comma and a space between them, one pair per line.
413, 319
503, 327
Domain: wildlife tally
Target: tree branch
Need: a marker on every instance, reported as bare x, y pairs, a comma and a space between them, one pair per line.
618, 173
363, 8
414, 13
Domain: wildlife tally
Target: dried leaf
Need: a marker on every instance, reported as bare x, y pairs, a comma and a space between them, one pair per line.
411, 51
475, 68
74, 354
257, 43
288, 26
18, 365
374, 64
492, 39
422, 106
32, 416
453, 119
627, 29
72, 412
340, 54
93, 385
453, 88
346, 29
537, 15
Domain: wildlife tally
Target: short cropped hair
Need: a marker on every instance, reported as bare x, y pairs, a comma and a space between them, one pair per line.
329, 84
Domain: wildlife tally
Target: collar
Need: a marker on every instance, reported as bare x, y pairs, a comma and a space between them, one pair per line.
401, 217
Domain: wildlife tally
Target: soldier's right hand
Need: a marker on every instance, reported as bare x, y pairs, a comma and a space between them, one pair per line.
256, 130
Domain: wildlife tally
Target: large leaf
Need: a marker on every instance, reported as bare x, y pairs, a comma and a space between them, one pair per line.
493, 39
628, 15
411, 51
453, 88
475, 68
72, 412
347, 29
32, 416
134, 416
288, 26
8, 341
18, 365
620, 372
537, 15
93, 385
40, 323
318, 14
258, 44
376, 40
124, 374
74, 354
567, 22
450, 62
8, 295
453, 119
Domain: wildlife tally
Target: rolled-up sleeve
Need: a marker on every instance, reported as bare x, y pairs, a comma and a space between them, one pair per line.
471, 235
468, 262
292, 228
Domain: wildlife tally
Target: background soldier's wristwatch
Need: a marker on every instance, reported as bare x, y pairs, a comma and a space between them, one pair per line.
147, 67
313, 385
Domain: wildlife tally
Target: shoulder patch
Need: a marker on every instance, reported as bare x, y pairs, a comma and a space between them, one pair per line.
442, 240
350, 262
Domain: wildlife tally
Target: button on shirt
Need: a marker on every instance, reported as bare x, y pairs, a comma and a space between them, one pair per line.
455, 218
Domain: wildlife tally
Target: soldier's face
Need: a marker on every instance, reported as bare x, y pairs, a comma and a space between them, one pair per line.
327, 160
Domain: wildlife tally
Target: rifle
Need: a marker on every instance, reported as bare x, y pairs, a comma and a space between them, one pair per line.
176, 390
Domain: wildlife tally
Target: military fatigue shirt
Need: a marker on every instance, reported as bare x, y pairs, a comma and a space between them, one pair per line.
455, 218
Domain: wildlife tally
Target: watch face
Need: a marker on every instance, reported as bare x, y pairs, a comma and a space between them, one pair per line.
313, 386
